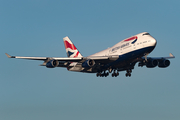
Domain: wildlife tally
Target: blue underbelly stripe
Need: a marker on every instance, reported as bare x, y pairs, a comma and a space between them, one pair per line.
131, 55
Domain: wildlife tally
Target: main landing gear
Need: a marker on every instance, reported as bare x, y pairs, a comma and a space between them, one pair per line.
104, 74
128, 74
115, 74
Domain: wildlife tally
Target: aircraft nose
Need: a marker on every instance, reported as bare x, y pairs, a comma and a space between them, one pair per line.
154, 42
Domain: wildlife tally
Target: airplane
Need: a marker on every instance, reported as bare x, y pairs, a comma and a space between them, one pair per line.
123, 56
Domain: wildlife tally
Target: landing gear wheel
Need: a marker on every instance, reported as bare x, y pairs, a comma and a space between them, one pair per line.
107, 74
102, 74
117, 74
128, 74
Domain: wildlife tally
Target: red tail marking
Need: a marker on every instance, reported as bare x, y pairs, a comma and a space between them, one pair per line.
68, 45
76, 54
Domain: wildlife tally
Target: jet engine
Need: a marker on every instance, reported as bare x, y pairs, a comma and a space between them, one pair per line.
152, 63
88, 63
164, 63
52, 64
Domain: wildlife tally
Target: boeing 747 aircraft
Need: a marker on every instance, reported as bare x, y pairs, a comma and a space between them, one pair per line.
121, 57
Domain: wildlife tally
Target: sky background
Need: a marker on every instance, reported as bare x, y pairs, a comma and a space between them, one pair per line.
37, 27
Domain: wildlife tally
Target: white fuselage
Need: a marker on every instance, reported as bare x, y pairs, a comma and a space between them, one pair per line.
123, 56
135, 46
123, 47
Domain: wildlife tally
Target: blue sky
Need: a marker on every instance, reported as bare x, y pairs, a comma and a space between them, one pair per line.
36, 28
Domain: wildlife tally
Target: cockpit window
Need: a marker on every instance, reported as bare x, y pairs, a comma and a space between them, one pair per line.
146, 34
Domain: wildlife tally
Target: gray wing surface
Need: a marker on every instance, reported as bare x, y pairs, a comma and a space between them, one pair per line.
66, 59
161, 58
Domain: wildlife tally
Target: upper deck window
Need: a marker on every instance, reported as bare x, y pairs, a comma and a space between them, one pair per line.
146, 34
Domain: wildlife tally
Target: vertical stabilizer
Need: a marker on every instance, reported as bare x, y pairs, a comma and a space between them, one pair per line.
71, 50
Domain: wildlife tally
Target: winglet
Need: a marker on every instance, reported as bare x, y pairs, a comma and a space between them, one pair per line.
9, 56
171, 55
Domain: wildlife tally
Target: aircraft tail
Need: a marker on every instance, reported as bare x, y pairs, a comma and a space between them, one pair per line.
71, 50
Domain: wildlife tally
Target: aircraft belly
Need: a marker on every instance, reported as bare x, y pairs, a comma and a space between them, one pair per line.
78, 68
130, 56
75, 68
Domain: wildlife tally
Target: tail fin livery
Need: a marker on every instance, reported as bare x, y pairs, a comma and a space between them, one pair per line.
71, 50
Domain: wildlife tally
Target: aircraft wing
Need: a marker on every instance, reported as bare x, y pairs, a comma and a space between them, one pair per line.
66, 59
160, 58
46, 58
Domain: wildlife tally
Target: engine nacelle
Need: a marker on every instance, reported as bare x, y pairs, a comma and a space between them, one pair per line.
52, 64
88, 63
164, 63
152, 63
